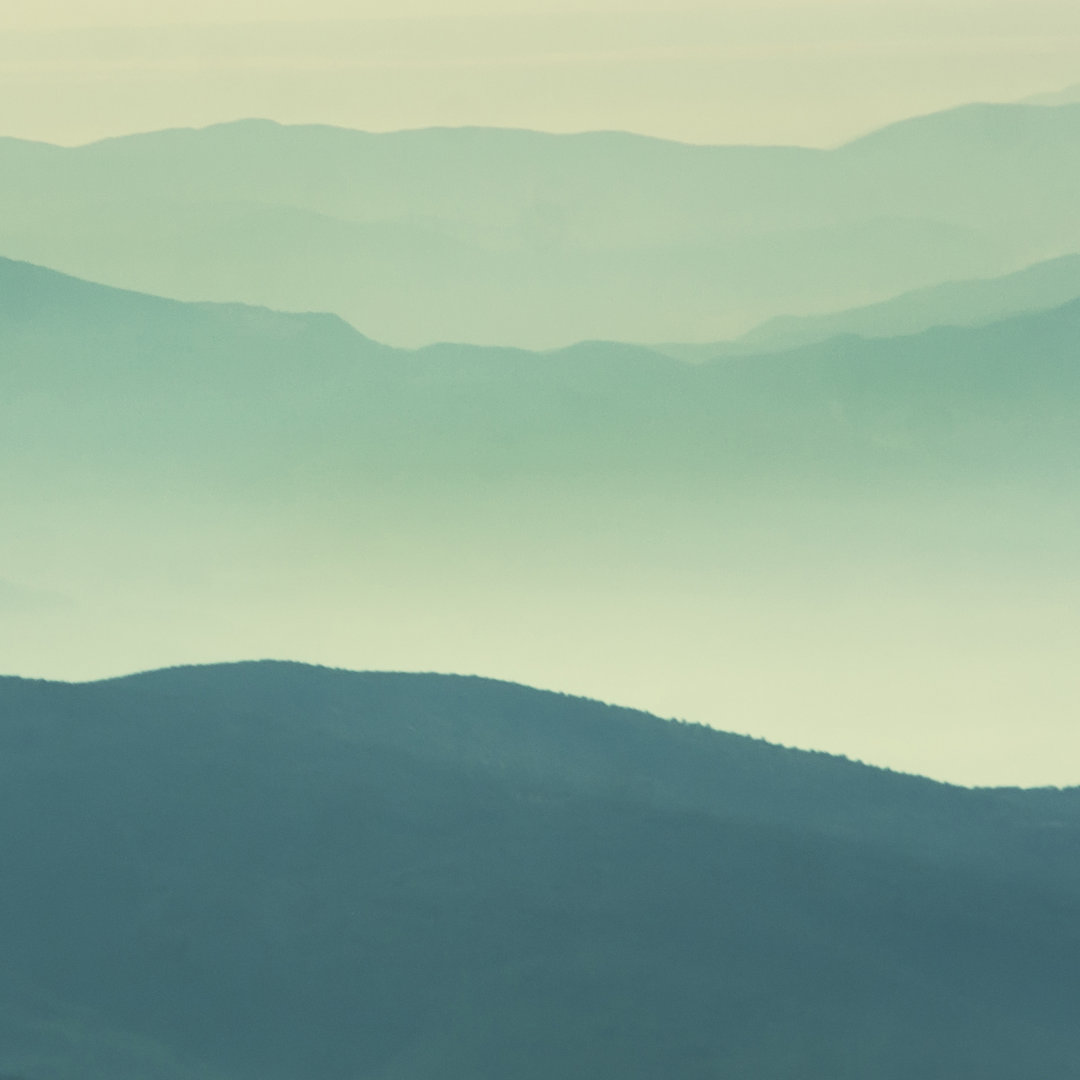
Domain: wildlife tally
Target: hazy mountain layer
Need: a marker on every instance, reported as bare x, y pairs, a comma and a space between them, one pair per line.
277, 871
1069, 96
512, 237
863, 545
961, 303
100, 368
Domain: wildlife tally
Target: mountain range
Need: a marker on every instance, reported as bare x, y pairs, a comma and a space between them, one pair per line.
106, 367
521, 238
271, 870
956, 303
780, 443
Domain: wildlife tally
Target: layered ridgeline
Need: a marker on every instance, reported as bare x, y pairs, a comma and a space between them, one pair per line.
522, 238
956, 303
1069, 96
861, 545
274, 871
91, 375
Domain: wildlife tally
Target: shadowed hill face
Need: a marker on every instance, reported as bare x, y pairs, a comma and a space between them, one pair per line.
889, 524
268, 870
512, 237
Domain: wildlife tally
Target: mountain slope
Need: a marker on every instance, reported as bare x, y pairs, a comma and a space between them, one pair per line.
961, 303
271, 870
496, 236
991, 399
1069, 96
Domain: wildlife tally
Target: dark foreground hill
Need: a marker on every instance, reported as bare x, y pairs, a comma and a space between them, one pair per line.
275, 871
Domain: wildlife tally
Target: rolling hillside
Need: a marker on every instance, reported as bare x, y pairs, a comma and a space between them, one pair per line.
268, 870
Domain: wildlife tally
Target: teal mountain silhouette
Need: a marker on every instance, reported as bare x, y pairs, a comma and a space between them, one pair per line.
961, 303
521, 238
270, 870
110, 371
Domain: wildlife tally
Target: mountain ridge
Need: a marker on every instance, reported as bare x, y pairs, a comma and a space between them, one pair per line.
315, 670
494, 235
1004, 110
269, 870
756, 342
975, 302
594, 395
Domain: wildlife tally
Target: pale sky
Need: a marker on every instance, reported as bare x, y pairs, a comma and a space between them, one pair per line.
813, 72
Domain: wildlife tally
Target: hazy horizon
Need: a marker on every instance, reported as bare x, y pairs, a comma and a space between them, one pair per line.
807, 73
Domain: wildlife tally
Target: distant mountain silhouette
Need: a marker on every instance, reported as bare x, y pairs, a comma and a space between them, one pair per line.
960, 303
270, 870
521, 238
1069, 96
217, 380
